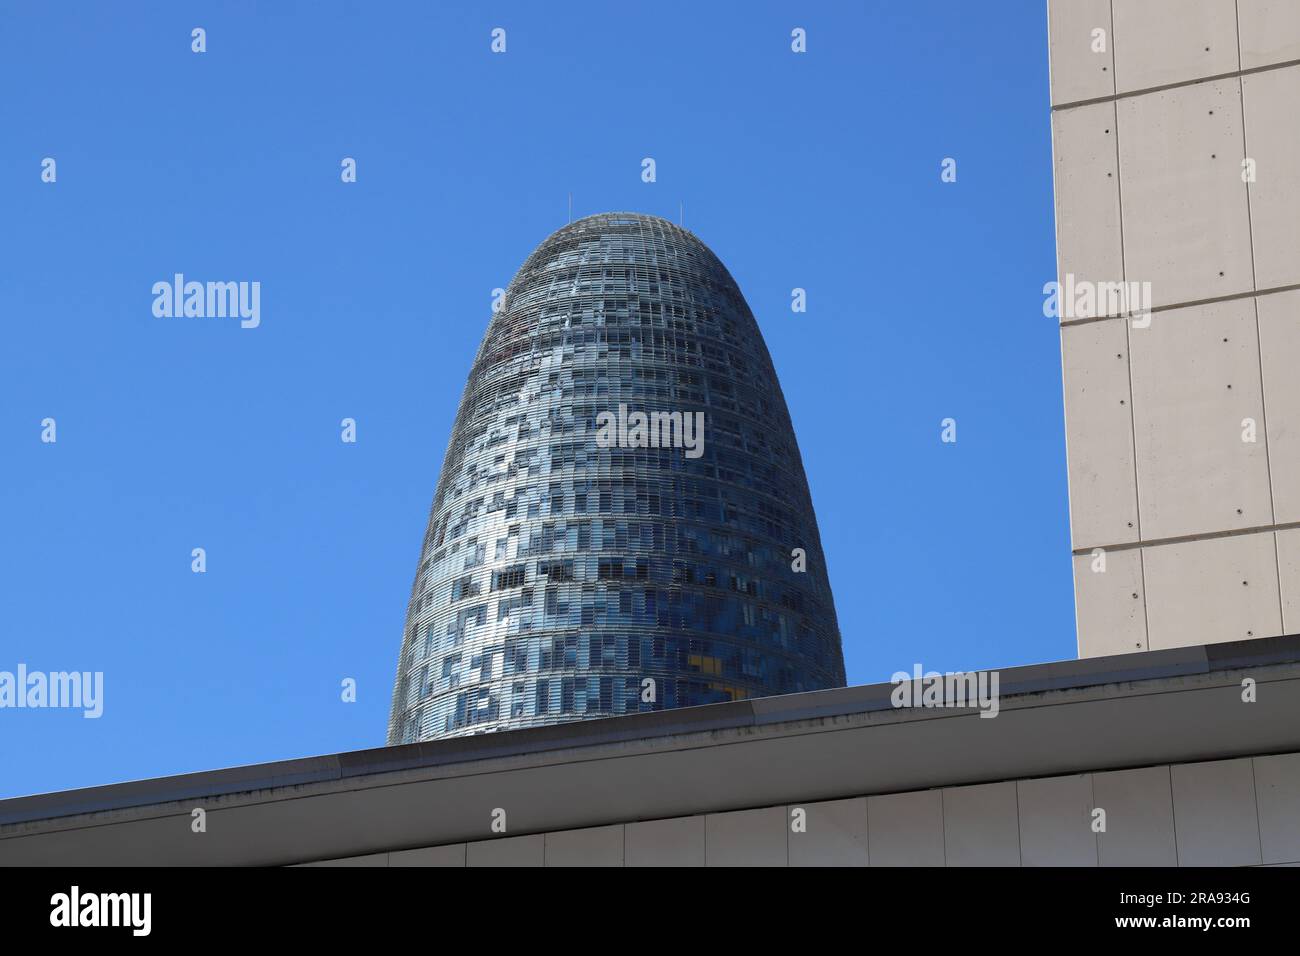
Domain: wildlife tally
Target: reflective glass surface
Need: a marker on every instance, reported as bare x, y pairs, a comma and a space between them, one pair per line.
573, 570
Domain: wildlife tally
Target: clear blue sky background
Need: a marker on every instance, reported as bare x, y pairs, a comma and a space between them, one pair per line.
819, 170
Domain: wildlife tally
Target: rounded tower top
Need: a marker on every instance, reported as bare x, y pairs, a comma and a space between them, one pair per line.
622, 522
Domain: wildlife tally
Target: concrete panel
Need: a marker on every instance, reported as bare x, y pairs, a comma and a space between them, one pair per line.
906, 829
1288, 573
1277, 790
1171, 41
980, 825
1099, 434
1086, 188
451, 855
675, 842
1186, 224
593, 846
1195, 380
1139, 817
835, 834
1056, 821
1214, 813
1273, 142
1213, 590
1079, 71
1110, 605
1270, 31
746, 838
508, 851
1279, 349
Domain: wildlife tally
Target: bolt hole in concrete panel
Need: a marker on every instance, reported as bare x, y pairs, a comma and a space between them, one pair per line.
1109, 612
1087, 197
1195, 473
1195, 592
1099, 437
1079, 70
1186, 220
1158, 42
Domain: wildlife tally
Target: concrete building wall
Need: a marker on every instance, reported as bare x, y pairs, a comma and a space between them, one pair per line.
1178, 748
1240, 812
1176, 151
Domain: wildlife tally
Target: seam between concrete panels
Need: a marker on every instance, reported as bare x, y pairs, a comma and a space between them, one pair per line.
1268, 466
1259, 824
1189, 538
1128, 361
1173, 814
1281, 601
1188, 304
866, 819
1146, 613
1020, 843
1259, 350
1114, 55
1020, 821
1092, 810
1114, 61
1236, 16
1245, 154
943, 825
1128, 337
1218, 77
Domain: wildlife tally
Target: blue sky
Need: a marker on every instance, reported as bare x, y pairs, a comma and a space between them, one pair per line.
819, 170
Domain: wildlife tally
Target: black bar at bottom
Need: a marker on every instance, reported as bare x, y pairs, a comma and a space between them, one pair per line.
329, 905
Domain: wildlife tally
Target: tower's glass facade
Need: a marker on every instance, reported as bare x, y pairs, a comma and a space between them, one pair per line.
572, 569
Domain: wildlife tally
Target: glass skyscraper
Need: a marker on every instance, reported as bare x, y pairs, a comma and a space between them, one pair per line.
589, 553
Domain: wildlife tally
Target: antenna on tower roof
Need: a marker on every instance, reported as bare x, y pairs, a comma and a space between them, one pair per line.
570, 207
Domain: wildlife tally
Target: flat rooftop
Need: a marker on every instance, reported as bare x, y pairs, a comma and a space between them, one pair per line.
1176, 705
